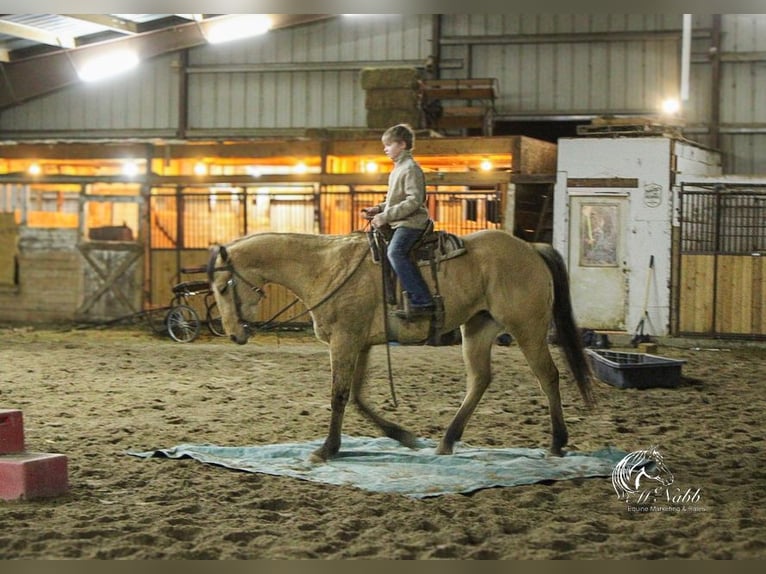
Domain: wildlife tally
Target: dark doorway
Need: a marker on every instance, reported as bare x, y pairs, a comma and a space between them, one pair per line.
543, 130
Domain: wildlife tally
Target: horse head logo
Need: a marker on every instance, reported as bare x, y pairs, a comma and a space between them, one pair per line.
639, 467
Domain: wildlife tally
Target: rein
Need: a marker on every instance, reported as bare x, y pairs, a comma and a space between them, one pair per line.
262, 294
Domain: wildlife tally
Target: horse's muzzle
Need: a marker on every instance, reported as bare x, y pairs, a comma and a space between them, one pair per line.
240, 340
243, 338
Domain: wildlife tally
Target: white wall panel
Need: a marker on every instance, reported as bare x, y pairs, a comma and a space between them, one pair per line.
145, 99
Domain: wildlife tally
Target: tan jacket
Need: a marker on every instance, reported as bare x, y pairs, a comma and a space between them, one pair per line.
405, 200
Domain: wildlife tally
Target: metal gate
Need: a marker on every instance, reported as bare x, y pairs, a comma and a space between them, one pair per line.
722, 278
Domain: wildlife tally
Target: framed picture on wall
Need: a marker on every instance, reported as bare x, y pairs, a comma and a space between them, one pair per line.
598, 235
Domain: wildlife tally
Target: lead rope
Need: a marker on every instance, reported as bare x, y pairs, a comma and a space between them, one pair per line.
376, 235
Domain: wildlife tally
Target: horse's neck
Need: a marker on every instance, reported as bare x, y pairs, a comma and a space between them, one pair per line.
305, 264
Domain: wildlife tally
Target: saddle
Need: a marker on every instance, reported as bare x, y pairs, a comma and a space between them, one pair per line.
431, 248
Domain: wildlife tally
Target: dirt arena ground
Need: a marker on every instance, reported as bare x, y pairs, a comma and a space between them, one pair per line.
95, 394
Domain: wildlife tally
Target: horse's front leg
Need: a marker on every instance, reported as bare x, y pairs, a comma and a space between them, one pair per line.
342, 364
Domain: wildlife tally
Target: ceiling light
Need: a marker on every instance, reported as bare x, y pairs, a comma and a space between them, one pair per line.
130, 168
107, 65
240, 26
671, 106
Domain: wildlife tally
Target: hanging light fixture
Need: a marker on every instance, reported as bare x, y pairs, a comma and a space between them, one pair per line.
107, 65
237, 27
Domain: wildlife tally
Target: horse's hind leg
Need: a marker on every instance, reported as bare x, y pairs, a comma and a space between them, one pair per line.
478, 335
537, 353
389, 428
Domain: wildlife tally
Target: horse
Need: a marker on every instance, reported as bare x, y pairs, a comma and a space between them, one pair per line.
636, 467
501, 284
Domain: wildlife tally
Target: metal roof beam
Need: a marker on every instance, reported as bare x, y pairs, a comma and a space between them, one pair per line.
23, 80
108, 21
36, 34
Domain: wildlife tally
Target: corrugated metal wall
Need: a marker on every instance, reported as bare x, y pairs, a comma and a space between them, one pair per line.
562, 64
144, 101
743, 93
306, 77
549, 66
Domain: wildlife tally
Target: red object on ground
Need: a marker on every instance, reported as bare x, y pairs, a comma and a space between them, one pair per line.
11, 431
32, 475
27, 474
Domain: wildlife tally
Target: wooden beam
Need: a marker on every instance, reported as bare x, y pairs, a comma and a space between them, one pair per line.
603, 182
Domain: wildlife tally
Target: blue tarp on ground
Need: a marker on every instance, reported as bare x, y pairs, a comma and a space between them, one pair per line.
383, 465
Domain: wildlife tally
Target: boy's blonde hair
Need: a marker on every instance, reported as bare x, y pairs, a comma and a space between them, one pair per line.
400, 133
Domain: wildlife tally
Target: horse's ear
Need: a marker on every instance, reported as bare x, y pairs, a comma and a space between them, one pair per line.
215, 251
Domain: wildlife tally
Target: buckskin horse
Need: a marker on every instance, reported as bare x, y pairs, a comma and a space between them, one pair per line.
501, 284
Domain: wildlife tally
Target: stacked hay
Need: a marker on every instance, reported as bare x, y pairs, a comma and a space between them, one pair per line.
391, 96
9, 234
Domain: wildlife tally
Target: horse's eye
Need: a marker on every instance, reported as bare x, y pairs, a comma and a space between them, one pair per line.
223, 289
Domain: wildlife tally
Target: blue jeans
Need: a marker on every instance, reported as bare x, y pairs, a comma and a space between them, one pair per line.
409, 274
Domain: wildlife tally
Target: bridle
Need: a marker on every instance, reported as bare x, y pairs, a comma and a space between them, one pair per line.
233, 281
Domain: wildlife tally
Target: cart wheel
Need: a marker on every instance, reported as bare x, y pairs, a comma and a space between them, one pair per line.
214, 322
183, 324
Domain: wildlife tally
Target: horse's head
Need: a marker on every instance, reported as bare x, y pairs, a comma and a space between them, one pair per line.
235, 294
632, 472
655, 468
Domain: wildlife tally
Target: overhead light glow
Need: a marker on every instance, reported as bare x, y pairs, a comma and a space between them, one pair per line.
240, 26
671, 106
130, 168
34, 169
107, 65
486, 165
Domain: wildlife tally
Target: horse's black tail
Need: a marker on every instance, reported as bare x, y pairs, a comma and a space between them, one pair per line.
566, 326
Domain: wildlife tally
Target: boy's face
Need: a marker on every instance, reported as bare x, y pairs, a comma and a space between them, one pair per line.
392, 149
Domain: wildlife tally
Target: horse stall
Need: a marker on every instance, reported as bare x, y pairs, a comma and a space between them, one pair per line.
121, 222
616, 220
721, 286
61, 262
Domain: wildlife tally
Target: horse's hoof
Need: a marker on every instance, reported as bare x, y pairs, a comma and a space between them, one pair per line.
408, 439
318, 457
444, 449
557, 451
403, 437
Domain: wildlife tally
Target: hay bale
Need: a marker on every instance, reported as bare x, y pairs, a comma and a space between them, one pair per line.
388, 78
395, 98
383, 119
9, 239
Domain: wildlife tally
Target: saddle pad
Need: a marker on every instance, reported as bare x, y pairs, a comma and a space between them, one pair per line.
383, 465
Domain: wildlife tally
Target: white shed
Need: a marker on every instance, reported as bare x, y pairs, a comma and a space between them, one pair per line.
615, 210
